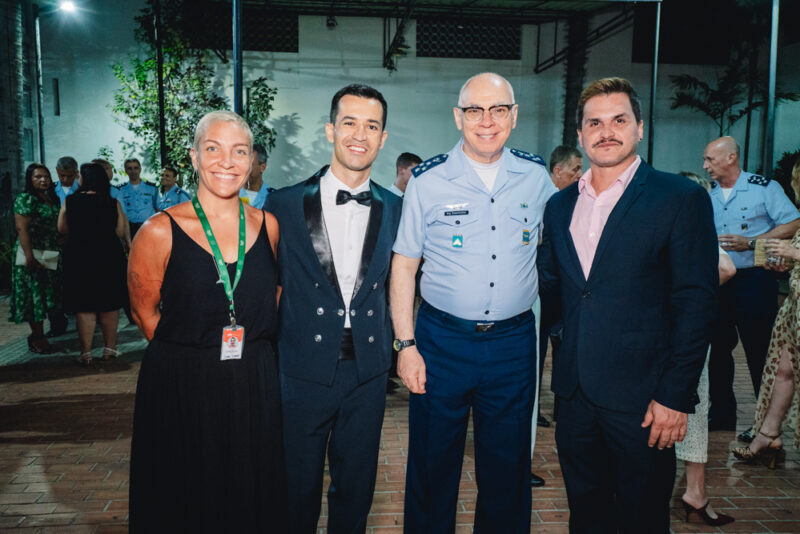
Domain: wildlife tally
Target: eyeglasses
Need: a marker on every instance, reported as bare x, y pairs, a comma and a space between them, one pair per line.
498, 113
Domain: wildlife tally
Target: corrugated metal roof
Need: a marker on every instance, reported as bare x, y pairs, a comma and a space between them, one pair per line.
524, 11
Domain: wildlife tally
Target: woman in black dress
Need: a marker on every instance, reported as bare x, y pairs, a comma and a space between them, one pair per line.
206, 453
94, 262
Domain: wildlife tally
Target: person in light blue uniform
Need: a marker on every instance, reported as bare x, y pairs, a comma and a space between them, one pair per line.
474, 215
746, 207
171, 193
139, 199
67, 170
255, 190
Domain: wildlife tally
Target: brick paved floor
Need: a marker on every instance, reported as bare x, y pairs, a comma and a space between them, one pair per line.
65, 440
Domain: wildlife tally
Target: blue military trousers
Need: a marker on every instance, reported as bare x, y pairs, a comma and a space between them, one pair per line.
493, 373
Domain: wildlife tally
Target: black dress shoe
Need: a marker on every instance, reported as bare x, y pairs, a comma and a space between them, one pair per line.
747, 436
542, 421
536, 481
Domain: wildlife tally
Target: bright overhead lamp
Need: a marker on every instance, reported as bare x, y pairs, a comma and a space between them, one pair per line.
67, 6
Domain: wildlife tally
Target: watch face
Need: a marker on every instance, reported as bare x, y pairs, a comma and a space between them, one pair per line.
396, 345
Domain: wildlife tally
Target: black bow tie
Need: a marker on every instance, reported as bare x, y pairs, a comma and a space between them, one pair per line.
343, 197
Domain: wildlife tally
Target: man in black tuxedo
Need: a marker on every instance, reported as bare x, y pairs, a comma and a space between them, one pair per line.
334, 341
632, 254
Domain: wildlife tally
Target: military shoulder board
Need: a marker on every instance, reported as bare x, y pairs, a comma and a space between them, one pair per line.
528, 156
758, 180
429, 164
714, 184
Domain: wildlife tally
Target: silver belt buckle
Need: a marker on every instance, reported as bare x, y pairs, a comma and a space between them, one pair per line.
484, 327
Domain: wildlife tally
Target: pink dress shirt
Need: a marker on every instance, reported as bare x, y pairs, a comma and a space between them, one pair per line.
592, 211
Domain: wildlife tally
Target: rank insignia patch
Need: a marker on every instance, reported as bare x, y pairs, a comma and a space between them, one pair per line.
526, 237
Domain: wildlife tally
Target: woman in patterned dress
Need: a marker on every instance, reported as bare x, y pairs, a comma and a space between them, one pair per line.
780, 384
34, 289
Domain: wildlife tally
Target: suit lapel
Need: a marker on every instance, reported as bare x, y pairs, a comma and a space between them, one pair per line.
315, 222
371, 237
631, 193
575, 263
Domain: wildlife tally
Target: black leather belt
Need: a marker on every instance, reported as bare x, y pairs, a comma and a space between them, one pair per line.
346, 350
475, 326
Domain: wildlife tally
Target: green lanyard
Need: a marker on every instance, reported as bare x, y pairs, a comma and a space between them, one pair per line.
219, 261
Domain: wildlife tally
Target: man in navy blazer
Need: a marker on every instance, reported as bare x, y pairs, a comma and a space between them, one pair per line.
632, 253
334, 340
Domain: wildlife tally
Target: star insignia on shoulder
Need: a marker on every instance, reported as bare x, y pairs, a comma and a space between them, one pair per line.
757, 179
528, 156
428, 164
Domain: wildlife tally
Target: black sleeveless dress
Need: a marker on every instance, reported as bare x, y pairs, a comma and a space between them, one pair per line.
207, 450
94, 262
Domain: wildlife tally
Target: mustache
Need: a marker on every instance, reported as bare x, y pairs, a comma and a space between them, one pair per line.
610, 140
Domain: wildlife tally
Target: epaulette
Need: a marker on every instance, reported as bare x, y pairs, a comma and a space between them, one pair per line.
428, 164
151, 184
757, 179
714, 184
528, 156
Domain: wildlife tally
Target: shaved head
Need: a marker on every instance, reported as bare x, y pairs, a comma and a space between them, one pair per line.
726, 145
721, 160
488, 78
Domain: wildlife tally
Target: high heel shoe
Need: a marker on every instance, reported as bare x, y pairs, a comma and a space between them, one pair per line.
720, 520
768, 455
84, 359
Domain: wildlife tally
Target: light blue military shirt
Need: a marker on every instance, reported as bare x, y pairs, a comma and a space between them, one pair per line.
756, 205
479, 246
138, 201
64, 193
174, 196
259, 199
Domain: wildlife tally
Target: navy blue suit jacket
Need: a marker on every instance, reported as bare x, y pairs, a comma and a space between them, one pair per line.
311, 324
638, 328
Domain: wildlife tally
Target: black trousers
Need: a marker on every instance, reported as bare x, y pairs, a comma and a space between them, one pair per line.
615, 482
345, 419
748, 304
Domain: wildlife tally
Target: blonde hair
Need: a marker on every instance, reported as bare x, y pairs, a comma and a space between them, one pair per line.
796, 179
222, 115
696, 178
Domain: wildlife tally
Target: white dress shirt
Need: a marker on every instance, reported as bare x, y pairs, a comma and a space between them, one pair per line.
346, 225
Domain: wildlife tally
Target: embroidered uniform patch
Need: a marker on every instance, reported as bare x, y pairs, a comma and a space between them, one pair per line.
428, 164
458, 241
526, 237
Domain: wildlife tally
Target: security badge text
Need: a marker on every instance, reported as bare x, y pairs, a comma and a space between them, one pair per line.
456, 212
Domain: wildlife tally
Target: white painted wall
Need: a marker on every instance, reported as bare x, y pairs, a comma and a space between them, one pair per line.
420, 93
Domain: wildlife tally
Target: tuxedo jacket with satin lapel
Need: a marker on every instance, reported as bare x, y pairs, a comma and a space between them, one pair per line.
638, 328
311, 308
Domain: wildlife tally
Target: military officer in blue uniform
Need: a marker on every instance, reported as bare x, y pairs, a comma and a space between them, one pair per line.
171, 193
67, 170
474, 215
139, 199
746, 207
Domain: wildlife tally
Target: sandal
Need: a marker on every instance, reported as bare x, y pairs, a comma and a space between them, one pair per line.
85, 358
37, 348
109, 353
768, 455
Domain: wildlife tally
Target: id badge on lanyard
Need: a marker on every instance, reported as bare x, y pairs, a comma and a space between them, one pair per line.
233, 335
